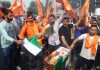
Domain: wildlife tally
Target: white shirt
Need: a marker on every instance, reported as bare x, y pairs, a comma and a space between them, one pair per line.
7, 34
86, 53
54, 38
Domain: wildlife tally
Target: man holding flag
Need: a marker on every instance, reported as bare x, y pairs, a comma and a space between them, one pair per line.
31, 30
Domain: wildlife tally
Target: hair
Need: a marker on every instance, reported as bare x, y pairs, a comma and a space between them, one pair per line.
94, 18
52, 15
31, 14
94, 26
65, 18
4, 10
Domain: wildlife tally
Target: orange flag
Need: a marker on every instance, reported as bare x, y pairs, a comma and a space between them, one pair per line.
39, 8
13, 4
85, 11
47, 13
17, 8
68, 8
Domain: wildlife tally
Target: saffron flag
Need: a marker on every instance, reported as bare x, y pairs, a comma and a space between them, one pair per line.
32, 45
39, 8
85, 11
13, 4
17, 8
47, 13
68, 8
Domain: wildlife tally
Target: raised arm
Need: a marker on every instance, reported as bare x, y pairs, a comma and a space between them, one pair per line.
78, 22
58, 21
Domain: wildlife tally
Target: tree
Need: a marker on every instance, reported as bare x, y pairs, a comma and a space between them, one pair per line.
6, 4
32, 8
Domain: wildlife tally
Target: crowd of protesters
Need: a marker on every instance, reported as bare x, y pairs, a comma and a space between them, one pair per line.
71, 33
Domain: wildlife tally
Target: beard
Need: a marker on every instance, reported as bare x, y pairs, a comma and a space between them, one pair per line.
51, 22
10, 19
92, 34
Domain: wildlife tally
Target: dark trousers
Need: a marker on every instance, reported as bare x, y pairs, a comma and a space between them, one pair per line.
49, 48
52, 48
84, 63
98, 59
17, 55
9, 57
1, 59
31, 62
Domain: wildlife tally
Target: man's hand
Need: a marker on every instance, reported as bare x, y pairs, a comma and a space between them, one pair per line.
19, 42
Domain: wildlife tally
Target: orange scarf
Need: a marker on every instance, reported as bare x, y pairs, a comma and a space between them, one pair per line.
92, 45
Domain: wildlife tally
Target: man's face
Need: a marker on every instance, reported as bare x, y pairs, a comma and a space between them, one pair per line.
51, 20
30, 19
95, 22
65, 22
93, 30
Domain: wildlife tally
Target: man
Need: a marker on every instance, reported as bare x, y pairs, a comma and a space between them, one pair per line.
52, 32
17, 23
8, 38
89, 49
30, 29
65, 32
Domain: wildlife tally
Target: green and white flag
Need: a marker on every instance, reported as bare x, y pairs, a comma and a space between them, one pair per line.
32, 45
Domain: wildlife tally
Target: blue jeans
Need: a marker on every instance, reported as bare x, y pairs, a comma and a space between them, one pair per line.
9, 57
